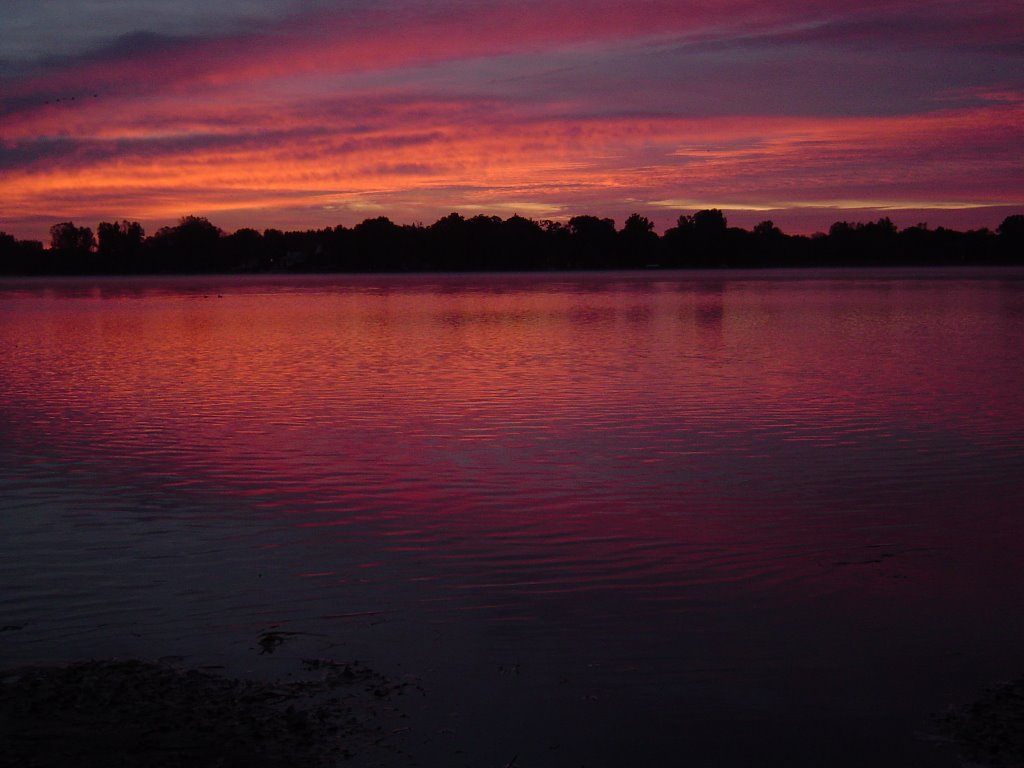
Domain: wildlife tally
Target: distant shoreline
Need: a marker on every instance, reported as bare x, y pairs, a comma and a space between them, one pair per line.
896, 271
483, 244
134, 713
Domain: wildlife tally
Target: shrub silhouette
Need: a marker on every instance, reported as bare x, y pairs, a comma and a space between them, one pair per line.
702, 239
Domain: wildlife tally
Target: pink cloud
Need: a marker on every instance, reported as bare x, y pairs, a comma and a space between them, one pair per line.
944, 159
390, 37
333, 116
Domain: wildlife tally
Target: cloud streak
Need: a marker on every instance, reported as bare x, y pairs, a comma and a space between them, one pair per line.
412, 111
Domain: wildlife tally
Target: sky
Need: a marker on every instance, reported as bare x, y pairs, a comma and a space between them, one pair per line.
301, 114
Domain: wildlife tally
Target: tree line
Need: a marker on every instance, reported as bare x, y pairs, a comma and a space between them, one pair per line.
702, 240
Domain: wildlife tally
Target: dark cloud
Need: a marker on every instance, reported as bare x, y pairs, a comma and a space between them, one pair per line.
44, 29
129, 46
307, 143
29, 153
514, 105
404, 169
120, 52
900, 29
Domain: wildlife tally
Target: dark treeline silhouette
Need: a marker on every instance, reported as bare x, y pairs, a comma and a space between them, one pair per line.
488, 243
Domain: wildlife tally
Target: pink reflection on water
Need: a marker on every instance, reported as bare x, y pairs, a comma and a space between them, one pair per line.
655, 435
757, 506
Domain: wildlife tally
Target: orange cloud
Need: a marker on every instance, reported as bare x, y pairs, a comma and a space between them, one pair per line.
434, 152
341, 115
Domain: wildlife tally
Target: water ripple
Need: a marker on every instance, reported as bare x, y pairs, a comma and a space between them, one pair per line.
661, 442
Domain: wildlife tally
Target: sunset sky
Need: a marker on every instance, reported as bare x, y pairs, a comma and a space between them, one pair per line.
309, 113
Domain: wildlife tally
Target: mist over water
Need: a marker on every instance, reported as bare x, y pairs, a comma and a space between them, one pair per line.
747, 518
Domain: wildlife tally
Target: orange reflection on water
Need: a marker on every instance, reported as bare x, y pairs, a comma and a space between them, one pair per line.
642, 433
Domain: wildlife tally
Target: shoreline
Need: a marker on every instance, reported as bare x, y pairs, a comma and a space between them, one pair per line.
130, 712
134, 713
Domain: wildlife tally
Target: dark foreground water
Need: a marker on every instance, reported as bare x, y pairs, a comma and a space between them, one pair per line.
765, 519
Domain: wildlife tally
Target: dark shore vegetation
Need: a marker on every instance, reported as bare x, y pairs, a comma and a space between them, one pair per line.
702, 240
139, 714
989, 731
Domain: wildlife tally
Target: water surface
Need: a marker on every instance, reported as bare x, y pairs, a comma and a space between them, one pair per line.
611, 519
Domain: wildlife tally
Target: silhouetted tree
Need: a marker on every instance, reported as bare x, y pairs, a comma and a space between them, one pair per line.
21, 257
637, 242
701, 239
593, 241
193, 244
709, 224
71, 239
557, 244
697, 240
1011, 237
8, 254
482, 234
520, 244
766, 230
448, 243
676, 242
1012, 227
875, 242
377, 246
120, 245
244, 250
766, 246
72, 248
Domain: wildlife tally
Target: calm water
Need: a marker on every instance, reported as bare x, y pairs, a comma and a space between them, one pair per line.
604, 520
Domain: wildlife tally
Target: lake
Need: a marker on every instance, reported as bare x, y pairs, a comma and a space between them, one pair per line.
705, 519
